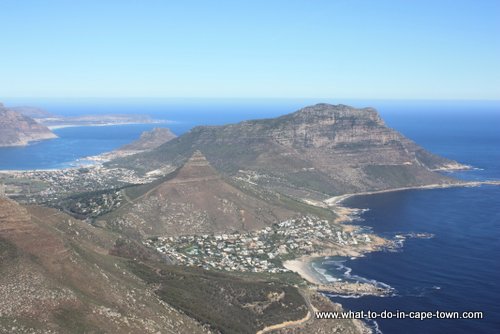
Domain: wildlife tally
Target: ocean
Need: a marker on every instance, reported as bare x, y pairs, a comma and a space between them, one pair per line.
456, 270
79, 142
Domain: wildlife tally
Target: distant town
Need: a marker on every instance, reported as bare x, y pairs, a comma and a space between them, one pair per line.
48, 185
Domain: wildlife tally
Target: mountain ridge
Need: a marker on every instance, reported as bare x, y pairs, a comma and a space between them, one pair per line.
62, 275
318, 150
56, 276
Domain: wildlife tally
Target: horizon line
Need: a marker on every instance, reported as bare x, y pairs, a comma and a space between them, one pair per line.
240, 98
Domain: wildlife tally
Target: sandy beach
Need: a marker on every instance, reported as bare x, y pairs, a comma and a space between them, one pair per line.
303, 267
73, 125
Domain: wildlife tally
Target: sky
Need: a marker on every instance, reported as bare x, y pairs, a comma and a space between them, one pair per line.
251, 49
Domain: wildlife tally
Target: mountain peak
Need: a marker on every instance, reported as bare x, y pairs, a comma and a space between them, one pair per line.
150, 140
198, 159
336, 112
196, 167
197, 199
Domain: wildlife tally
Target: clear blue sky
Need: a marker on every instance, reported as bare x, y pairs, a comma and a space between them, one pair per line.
312, 48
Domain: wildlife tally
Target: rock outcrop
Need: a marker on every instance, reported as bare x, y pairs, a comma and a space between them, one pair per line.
150, 140
19, 130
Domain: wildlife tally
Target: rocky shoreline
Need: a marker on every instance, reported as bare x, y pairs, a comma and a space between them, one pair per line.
355, 289
304, 266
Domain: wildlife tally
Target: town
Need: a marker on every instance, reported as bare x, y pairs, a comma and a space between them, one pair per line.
42, 186
258, 251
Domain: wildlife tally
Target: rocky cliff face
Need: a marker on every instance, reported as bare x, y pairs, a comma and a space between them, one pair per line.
318, 151
325, 126
18, 130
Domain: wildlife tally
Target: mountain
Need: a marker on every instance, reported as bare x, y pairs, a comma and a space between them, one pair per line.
32, 112
316, 152
195, 199
149, 140
18, 130
56, 277
62, 275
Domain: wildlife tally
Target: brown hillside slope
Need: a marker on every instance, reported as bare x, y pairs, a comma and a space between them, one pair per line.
56, 277
196, 200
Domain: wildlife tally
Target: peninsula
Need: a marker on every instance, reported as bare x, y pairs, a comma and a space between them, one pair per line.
17, 129
220, 220
22, 125
58, 122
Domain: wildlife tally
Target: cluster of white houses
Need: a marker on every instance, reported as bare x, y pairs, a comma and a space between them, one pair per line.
257, 251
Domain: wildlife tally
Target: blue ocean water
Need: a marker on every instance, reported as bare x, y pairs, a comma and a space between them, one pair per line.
458, 269
78, 142
183, 114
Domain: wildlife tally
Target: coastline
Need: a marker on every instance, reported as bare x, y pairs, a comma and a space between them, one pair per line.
304, 265
74, 125
86, 161
336, 200
27, 142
